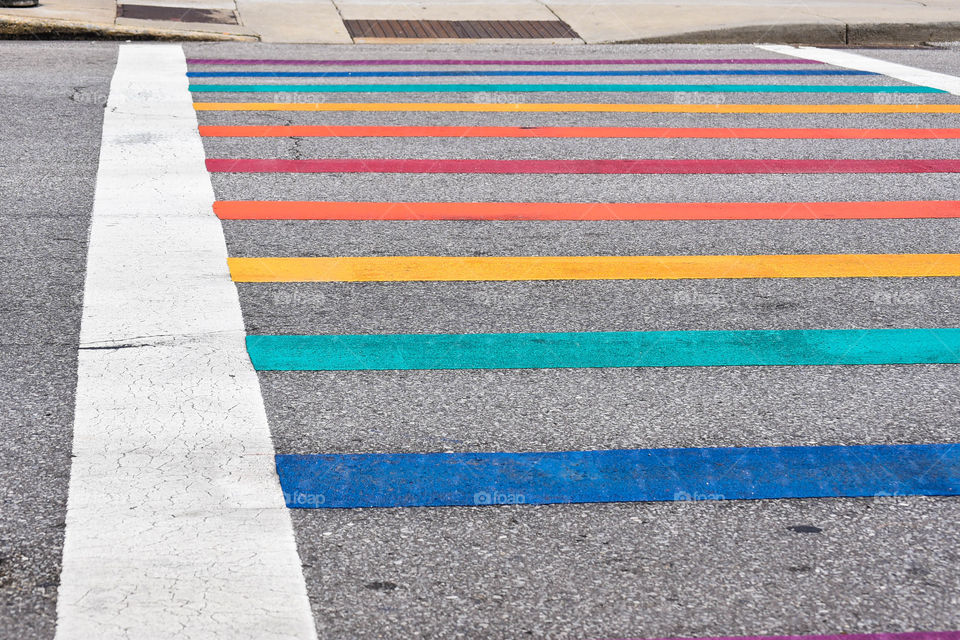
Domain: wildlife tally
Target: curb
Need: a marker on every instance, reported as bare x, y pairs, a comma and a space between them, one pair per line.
12, 27
822, 34
825, 34
904, 33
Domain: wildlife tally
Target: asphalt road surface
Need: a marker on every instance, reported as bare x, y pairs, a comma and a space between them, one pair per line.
693, 566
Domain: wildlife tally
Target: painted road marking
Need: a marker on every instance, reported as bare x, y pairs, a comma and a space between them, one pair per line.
575, 107
578, 74
550, 88
175, 524
275, 131
620, 475
456, 165
502, 268
603, 349
914, 75
296, 210
346, 62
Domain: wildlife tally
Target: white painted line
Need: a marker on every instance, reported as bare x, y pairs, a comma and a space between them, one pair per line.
176, 525
913, 75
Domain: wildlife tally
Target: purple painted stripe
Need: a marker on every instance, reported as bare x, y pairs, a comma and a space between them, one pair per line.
913, 635
346, 62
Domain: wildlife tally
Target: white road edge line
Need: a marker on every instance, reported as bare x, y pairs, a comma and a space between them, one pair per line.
913, 75
176, 525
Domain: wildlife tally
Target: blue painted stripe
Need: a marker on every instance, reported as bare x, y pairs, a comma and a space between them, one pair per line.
626, 475
562, 88
603, 349
459, 74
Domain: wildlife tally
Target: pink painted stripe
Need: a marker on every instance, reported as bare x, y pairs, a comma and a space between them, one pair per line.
223, 165
912, 635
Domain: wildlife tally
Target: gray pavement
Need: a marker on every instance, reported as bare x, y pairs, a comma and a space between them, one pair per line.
624, 570
51, 100
606, 188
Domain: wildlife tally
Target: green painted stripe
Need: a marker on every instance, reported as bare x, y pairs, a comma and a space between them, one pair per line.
524, 88
604, 349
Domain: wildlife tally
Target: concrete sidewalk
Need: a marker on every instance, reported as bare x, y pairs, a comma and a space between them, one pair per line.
823, 22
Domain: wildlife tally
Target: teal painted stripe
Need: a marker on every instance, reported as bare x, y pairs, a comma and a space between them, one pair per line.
603, 349
516, 88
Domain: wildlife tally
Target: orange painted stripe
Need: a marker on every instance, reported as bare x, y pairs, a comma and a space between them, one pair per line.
573, 132
293, 210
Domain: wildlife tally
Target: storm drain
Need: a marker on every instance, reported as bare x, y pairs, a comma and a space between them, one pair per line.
472, 29
176, 14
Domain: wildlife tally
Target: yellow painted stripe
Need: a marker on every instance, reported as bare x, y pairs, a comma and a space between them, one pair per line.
576, 107
429, 268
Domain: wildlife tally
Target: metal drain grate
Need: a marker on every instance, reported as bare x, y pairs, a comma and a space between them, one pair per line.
175, 14
473, 29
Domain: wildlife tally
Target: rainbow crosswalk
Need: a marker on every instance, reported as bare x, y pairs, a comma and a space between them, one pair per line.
319, 480
336, 285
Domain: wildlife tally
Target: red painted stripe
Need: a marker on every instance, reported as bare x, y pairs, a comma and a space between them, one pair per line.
286, 210
379, 165
574, 132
